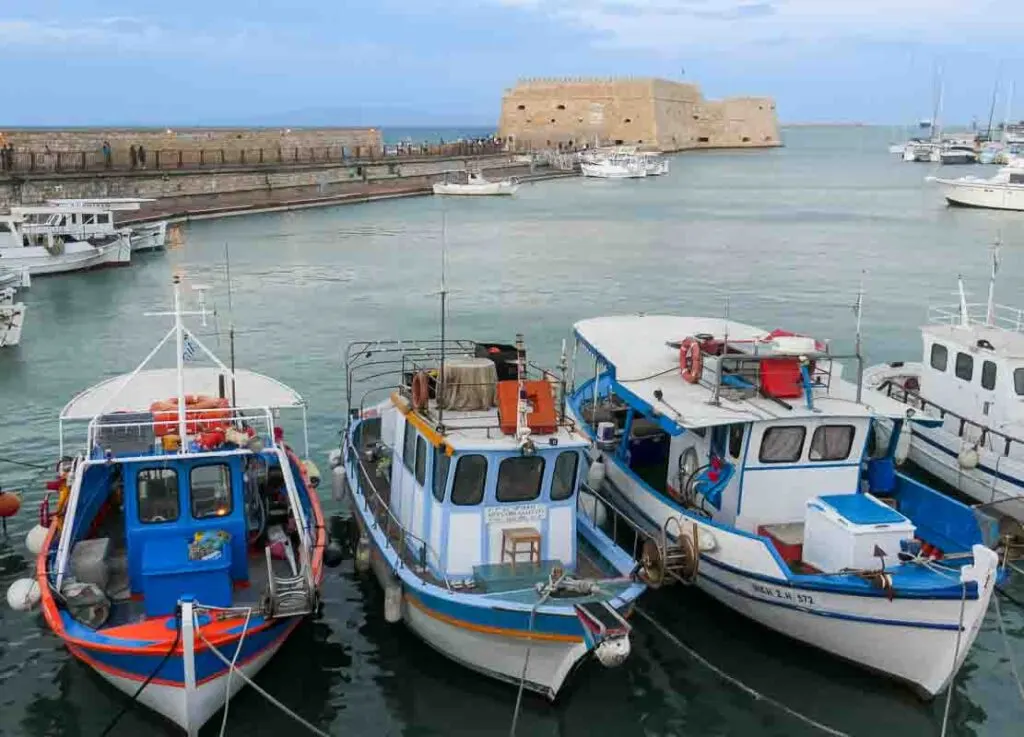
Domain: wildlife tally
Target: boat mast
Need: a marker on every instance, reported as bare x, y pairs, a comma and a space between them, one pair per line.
858, 309
179, 337
965, 321
990, 312
992, 107
1009, 111
522, 409
439, 392
936, 125
231, 325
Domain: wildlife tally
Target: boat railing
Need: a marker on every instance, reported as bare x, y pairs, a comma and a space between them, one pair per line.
743, 373
126, 425
894, 389
1004, 317
385, 518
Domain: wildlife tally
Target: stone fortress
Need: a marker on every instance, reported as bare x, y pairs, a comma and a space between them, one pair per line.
651, 113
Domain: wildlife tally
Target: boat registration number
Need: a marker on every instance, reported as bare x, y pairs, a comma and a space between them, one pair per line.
773, 592
516, 514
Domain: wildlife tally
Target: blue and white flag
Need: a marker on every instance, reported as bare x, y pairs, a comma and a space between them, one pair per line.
188, 350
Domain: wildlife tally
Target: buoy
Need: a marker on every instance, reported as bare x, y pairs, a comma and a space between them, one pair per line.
35, 538
902, 446
968, 457
393, 602
593, 508
597, 472
23, 594
10, 503
339, 484
362, 555
312, 472
613, 651
334, 554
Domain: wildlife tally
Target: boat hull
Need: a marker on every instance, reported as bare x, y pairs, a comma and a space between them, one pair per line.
12, 318
77, 256
612, 171
912, 640
476, 190
149, 237
982, 194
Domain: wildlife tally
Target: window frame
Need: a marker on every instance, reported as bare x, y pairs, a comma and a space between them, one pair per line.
731, 436
409, 446
945, 357
231, 489
177, 494
765, 435
1018, 384
969, 364
985, 365
520, 459
420, 463
439, 480
849, 445
483, 481
573, 481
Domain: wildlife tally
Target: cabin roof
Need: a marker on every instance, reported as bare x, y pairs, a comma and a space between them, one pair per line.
636, 346
136, 392
1005, 343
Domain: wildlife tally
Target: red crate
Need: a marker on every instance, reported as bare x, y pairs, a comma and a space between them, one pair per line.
788, 539
780, 377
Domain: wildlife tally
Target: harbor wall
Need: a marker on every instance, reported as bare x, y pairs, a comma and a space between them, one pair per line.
655, 113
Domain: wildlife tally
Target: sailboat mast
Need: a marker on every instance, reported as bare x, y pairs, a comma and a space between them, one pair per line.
231, 325
179, 338
992, 108
444, 298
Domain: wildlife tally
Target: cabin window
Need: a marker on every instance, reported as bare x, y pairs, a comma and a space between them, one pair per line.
470, 475
5, 228
1018, 381
157, 490
519, 479
211, 491
700, 432
409, 446
736, 440
442, 461
988, 375
831, 443
782, 444
940, 357
421, 461
103, 217
563, 481
964, 366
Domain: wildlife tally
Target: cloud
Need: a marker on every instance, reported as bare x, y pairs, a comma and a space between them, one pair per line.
684, 25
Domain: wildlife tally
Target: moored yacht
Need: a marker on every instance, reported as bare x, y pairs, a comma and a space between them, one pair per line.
464, 485
746, 447
1003, 191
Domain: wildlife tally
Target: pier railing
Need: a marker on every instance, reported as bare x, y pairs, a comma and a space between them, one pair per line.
171, 159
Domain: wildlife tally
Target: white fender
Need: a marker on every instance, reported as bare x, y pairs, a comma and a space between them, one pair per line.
35, 538
23, 594
968, 457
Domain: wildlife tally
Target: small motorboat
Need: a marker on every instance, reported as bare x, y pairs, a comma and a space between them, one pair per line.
464, 484
958, 154
186, 541
12, 318
1003, 191
474, 183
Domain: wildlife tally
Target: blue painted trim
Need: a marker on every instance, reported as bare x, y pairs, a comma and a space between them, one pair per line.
830, 614
991, 471
804, 466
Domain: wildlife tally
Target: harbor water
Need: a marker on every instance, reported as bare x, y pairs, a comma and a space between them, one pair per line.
780, 238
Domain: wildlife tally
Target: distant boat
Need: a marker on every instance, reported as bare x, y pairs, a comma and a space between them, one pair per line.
85, 212
41, 250
957, 153
12, 317
475, 184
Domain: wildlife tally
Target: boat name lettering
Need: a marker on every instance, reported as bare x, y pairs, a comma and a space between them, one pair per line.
783, 594
518, 513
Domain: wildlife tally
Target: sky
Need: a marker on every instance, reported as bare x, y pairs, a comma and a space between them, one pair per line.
447, 62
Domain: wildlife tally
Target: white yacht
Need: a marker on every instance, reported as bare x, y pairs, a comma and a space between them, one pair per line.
1003, 191
39, 249
972, 381
474, 183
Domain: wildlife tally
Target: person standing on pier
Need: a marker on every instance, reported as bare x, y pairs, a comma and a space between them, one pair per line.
3, 153
106, 154
133, 155
142, 156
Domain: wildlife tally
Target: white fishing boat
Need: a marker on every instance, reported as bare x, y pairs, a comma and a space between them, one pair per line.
464, 486
747, 446
473, 183
618, 166
958, 153
47, 251
655, 164
921, 151
12, 318
1003, 191
95, 217
972, 383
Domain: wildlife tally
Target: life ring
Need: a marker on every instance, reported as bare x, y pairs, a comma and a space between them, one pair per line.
202, 413
420, 390
691, 361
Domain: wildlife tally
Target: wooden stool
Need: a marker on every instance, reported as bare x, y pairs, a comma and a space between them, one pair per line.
515, 539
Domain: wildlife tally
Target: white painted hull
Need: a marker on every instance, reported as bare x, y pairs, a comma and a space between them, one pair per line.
190, 710
77, 256
867, 630
979, 193
499, 656
958, 157
612, 171
477, 190
149, 237
12, 317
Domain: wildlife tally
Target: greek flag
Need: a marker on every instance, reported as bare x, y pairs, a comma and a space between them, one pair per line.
188, 349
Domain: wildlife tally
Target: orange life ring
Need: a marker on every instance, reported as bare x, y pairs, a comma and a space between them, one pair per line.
202, 413
420, 391
691, 361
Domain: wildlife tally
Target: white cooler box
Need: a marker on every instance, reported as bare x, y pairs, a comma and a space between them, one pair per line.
841, 531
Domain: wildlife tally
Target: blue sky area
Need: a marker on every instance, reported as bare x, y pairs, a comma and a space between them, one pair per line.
427, 62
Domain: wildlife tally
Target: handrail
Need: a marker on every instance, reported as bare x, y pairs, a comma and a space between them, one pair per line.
236, 414
383, 505
1004, 317
909, 394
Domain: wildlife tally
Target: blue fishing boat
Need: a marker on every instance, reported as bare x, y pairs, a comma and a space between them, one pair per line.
186, 541
464, 484
746, 450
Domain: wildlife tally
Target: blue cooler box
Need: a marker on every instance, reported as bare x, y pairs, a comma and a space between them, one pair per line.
168, 575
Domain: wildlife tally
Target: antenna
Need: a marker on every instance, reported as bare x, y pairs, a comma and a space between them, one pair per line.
179, 337
563, 365
231, 325
990, 312
201, 290
965, 320
522, 409
444, 319
858, 310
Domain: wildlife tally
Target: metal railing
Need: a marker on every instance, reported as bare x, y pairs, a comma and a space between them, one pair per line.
914, 399
386, 519
170, 159
261, 419
1004, 317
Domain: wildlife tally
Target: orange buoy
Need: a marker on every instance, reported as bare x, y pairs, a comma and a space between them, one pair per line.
691, 361
10, 503
420, 391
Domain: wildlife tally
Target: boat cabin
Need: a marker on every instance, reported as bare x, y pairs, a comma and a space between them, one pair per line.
476, 488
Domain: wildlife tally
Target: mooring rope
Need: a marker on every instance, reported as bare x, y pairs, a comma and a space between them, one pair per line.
231, 671
1009, 650
756, 695
956, 656
548, 588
